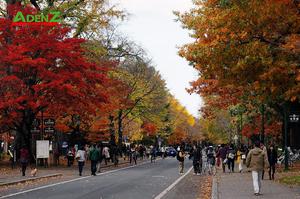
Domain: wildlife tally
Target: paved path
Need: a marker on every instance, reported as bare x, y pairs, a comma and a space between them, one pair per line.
239, 186
141, 182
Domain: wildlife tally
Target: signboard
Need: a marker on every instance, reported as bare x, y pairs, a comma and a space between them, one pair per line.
35, 130
49, 122
42, 149
49, 130
36, 122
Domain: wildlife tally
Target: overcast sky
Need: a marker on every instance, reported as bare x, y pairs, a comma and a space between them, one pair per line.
151, 25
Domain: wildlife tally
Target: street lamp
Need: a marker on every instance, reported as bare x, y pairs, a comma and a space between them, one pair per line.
294, 118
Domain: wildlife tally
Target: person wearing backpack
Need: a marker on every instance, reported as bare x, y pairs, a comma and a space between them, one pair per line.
211, 160
180, 157
231, 158
94, 155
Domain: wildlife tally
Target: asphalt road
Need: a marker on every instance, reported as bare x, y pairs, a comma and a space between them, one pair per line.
141, 182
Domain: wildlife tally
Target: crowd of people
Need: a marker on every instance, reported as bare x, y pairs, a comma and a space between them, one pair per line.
257, 160
205, 158
97, 154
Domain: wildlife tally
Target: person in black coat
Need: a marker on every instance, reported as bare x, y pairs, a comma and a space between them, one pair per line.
197, 159
272, 157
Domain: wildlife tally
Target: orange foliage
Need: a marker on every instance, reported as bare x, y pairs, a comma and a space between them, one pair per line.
149, 129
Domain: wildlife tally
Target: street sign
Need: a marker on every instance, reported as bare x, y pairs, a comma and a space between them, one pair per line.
49, 122
49, 130
35, 130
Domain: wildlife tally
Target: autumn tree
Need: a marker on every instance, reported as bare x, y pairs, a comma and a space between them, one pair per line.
41, 69
182, 124
148, 93
244, 50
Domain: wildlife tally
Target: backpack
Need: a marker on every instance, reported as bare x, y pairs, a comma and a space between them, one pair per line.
180, 159
231, 155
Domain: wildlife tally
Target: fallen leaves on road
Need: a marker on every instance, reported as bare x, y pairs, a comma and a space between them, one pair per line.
206, 188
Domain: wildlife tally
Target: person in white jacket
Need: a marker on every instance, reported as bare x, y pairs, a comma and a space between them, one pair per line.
81, 157
105, 153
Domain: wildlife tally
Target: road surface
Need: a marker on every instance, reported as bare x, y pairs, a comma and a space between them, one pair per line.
140, 182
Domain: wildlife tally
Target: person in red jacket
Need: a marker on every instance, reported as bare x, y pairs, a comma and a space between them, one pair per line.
24, 159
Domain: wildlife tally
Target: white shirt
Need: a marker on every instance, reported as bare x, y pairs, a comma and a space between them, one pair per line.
82, 155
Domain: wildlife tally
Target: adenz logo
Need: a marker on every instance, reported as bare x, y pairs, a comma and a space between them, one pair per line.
51, 19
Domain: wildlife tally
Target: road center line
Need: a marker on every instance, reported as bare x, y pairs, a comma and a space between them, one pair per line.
73, 180
164, 192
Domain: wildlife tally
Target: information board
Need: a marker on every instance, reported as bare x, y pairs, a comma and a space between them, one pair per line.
42, 149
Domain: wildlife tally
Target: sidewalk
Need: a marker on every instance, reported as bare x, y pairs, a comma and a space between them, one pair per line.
239, 186
9, 177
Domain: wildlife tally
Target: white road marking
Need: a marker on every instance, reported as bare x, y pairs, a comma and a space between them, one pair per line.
164, 192
64, 182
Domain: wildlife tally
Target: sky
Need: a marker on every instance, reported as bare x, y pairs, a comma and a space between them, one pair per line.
152, 26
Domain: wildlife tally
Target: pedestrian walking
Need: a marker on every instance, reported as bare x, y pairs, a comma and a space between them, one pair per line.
218, 156
99, 148
24, 159
12, 154
197, 160
106, 154
81, 157
133, 154
94, 156
264, 148
223, 156
180, 157
272, 158
153, 154
115, 154
240, 157
257, 160
163, 152
70, 157
231, 157
211, 160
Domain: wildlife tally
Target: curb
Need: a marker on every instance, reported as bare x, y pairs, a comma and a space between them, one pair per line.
214, 193
30, 180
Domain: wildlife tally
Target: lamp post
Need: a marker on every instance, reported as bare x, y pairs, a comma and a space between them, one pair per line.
239, 111
286, 163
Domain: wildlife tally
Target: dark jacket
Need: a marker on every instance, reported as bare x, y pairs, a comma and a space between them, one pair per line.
231, 151
272, 156
94, 154
24, 156
223, 153
197, 155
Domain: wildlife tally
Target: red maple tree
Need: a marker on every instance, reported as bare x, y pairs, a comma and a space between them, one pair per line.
42, 69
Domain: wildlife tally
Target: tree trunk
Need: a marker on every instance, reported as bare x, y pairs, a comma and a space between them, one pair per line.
120, 127
24, 135
112, 130
262, 135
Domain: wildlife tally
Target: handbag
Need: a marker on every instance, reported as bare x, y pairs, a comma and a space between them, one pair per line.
225, 161
243, 156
